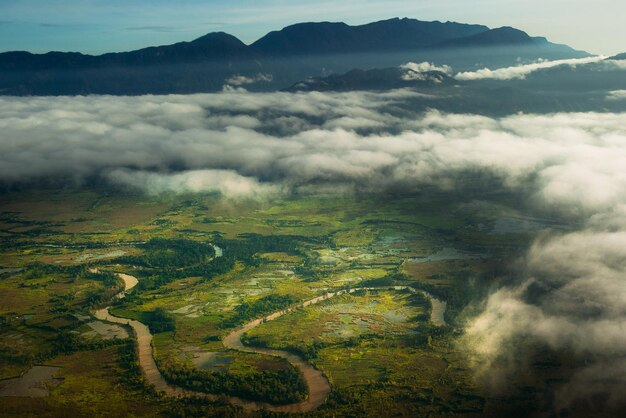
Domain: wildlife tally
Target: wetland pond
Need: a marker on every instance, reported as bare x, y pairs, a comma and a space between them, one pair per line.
35, 383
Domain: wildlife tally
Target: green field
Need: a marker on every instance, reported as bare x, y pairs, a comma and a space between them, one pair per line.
378, 349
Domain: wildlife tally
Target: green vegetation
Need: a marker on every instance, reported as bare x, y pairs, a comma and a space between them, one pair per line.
344, 321
96, 382
379, 349
161, 253
265, 305
159, 320
282, 386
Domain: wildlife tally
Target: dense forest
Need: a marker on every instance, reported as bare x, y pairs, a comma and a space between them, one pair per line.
279, 387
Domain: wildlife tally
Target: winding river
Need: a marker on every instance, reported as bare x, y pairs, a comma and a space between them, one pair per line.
318, 386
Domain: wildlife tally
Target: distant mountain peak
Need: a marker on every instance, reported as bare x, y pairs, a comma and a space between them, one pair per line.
396, 34
507, 33
218, 37
502, 36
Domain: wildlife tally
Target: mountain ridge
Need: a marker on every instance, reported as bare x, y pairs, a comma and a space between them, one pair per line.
214, 45
298, 39
394, 34
504, 35
282, 58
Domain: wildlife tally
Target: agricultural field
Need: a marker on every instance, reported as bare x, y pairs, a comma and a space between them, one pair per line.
206, 266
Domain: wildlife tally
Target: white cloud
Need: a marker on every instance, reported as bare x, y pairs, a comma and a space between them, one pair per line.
225, 182
521, 71
616, 95
240, 80
576, 158
419, 71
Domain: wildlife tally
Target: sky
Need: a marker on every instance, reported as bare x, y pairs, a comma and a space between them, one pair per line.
98, 26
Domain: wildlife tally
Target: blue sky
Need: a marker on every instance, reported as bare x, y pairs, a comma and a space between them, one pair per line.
96, 26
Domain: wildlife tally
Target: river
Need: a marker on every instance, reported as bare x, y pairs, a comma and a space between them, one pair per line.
318, 386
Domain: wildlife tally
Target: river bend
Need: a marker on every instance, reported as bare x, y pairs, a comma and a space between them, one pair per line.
318, 386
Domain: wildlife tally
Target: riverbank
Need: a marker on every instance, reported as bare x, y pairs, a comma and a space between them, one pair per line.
317, 384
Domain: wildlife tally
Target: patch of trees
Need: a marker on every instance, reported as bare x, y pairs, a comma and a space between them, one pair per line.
107, 278
13, 355
208, 220
380, 282
70, 342
278, 387
258, 308
346, 402
306, 351
248, 245
91, 297
309, 270
60, 339
159, 320
130, 374
155, 279
242, 250
61, 303
421, 301
176, 253
37, 270
167, 260
170, 253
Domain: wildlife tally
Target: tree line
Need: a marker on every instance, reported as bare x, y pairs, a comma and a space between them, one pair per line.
283, 386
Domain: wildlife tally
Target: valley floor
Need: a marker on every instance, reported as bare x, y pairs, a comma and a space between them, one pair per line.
329, 306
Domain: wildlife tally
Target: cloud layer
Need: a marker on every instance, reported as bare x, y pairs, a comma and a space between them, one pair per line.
572, 295
240, 80
295, 139
616, 95
224, 182
522, 71
420, 71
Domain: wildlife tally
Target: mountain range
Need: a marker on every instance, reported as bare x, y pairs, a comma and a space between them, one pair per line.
283, 57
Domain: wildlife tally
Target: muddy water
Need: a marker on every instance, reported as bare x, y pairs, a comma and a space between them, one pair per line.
438, 310
35, 383
316, 382
318, 386
144, 346
129, 281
